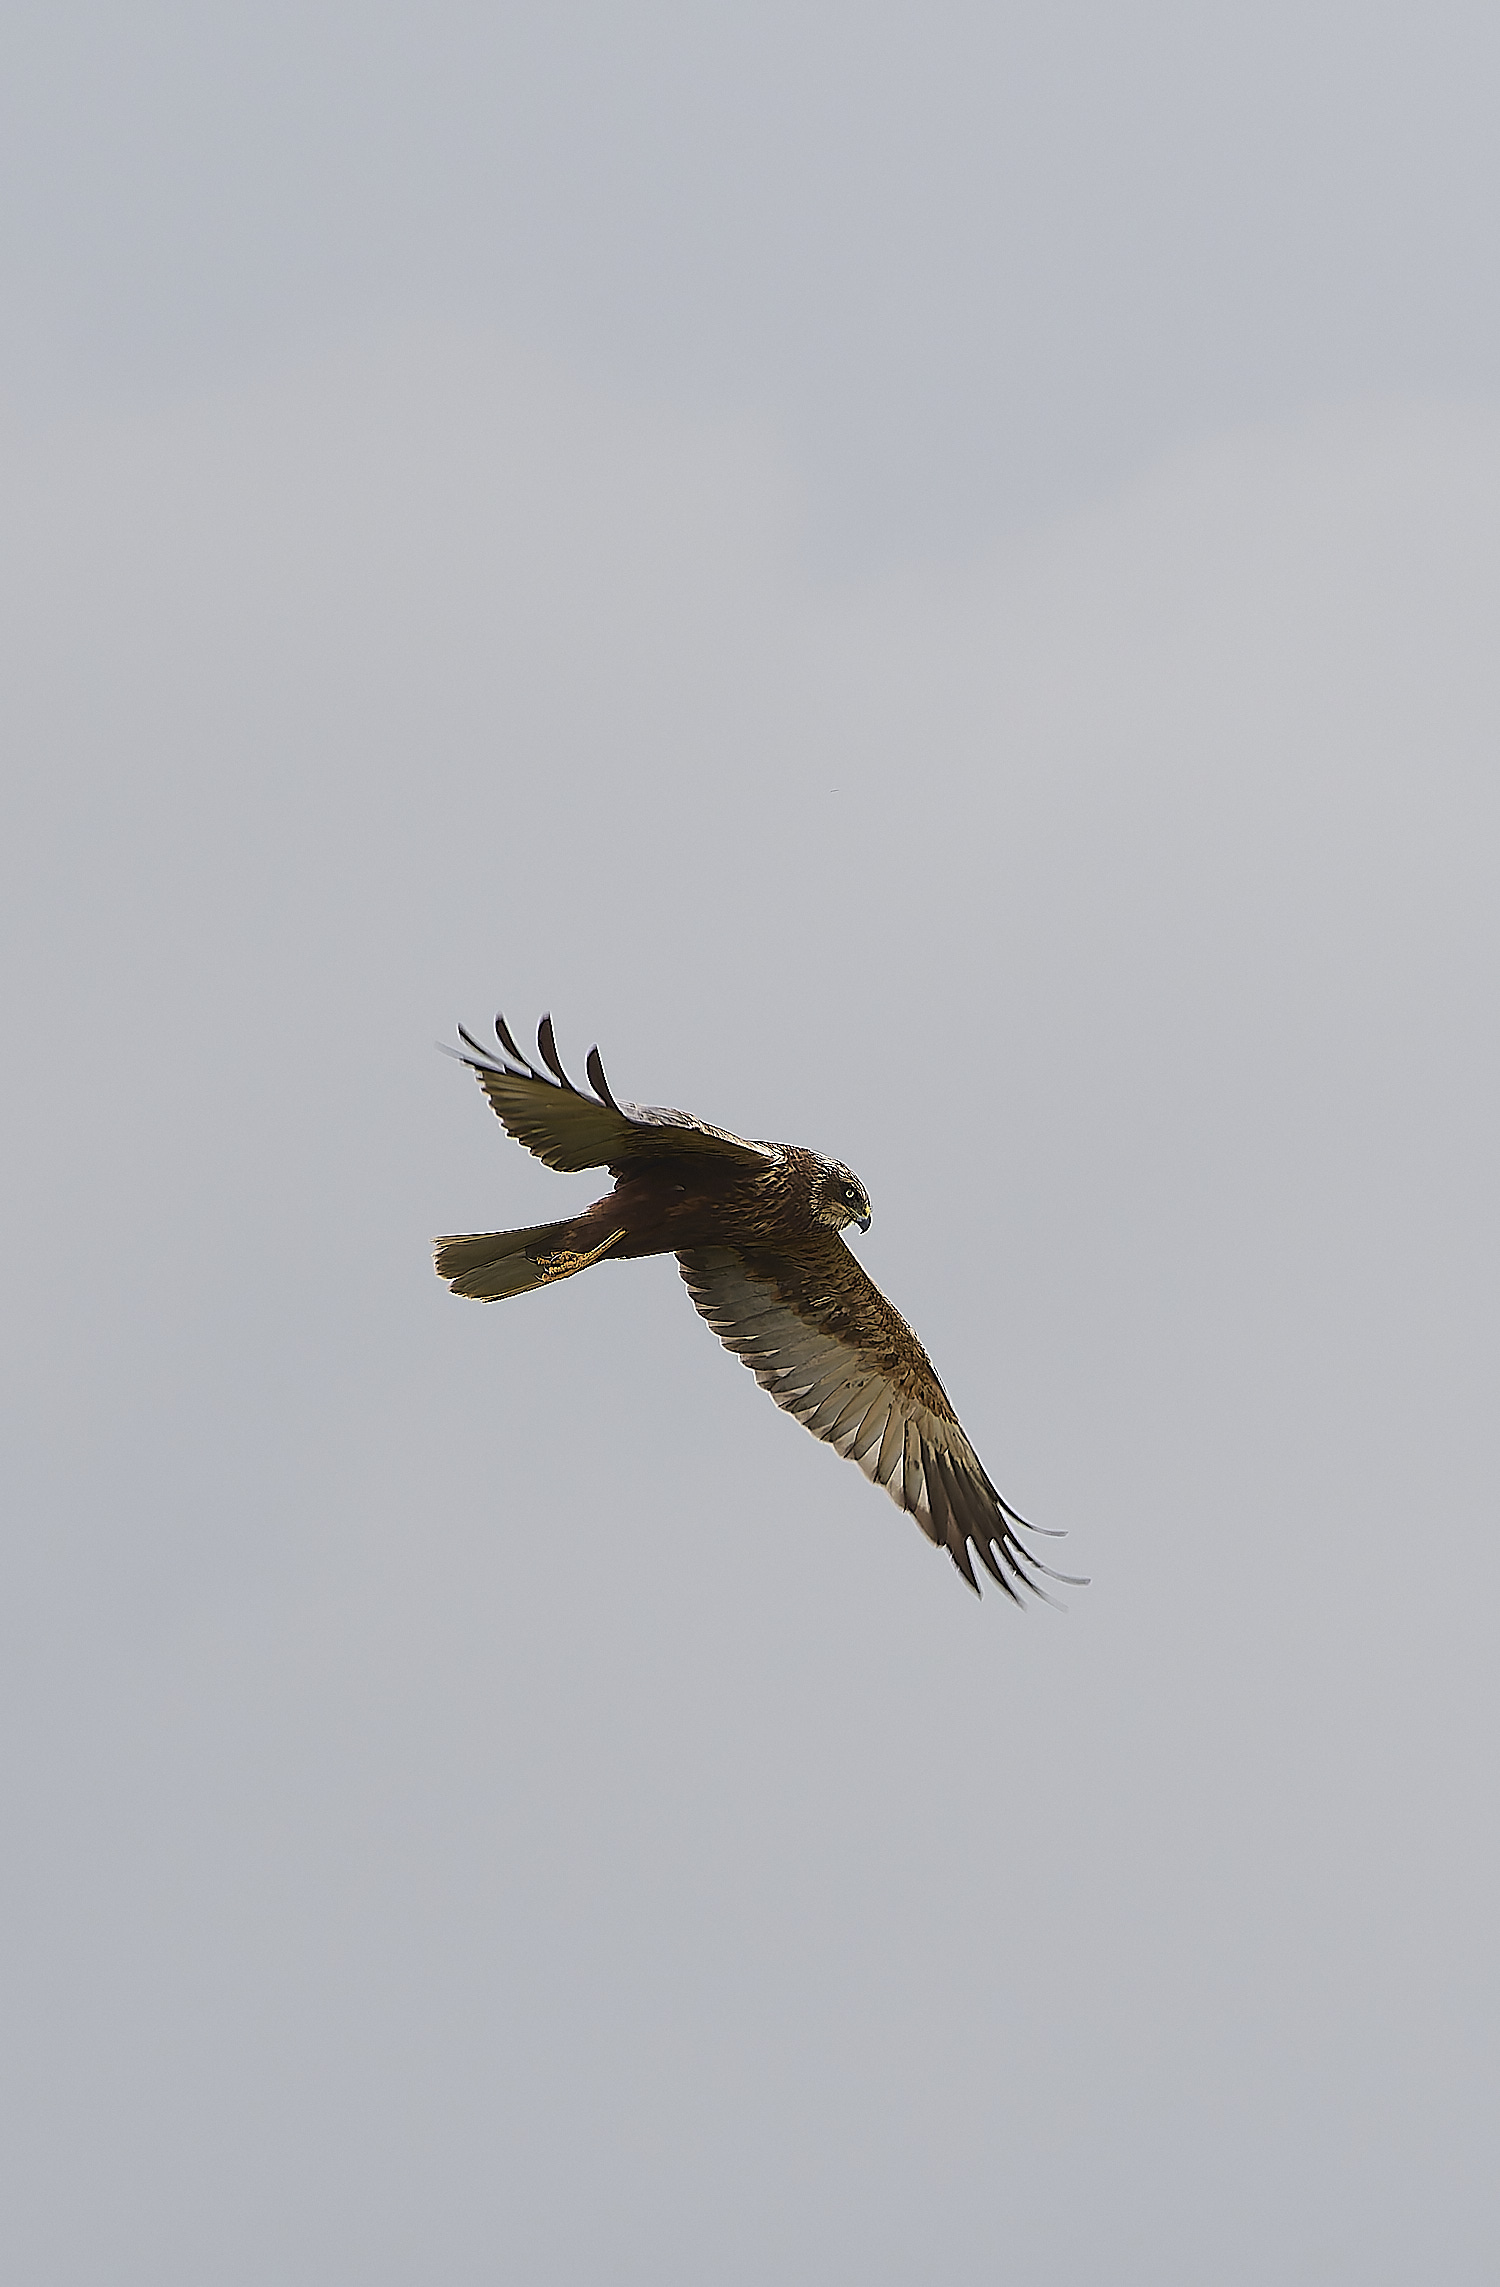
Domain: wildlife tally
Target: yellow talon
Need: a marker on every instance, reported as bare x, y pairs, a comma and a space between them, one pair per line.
566, 1262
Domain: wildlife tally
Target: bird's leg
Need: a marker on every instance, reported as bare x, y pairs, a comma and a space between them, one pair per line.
566, 1262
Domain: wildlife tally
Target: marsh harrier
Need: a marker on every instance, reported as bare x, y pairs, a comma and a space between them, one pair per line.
757, 1232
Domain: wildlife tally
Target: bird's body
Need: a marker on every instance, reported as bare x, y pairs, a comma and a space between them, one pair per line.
756, 1229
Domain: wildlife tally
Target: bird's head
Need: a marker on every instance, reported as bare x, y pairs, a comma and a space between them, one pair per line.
839, 1198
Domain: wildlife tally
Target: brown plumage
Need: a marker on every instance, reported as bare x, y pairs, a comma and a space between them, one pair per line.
756, 1229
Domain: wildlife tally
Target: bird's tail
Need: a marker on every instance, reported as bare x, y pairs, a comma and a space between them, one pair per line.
491, 1264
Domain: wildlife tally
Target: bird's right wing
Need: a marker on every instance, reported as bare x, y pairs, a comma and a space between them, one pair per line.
569, 1130
821, 1337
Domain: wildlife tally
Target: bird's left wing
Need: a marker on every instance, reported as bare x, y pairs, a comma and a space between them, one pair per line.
569, 1130
821, 1337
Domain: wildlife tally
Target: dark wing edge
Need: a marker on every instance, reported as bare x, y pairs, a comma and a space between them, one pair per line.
569, 1130
837, 1356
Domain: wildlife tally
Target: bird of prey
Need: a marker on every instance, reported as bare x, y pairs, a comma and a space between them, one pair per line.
757, 1232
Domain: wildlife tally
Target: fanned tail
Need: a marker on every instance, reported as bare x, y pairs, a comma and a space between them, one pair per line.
491, 1264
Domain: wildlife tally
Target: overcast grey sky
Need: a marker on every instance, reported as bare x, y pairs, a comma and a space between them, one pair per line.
929, 579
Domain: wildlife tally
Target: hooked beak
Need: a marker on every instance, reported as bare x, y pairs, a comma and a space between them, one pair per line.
863, 1221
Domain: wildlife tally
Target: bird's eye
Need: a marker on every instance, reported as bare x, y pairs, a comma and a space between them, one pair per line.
851, 1194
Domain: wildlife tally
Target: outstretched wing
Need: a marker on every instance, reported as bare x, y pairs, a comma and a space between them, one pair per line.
569, 1130
821, 1337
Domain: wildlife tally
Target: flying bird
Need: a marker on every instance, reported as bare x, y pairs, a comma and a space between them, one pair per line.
757, 1229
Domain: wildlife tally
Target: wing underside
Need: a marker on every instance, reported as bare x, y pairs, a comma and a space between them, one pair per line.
831, 1350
